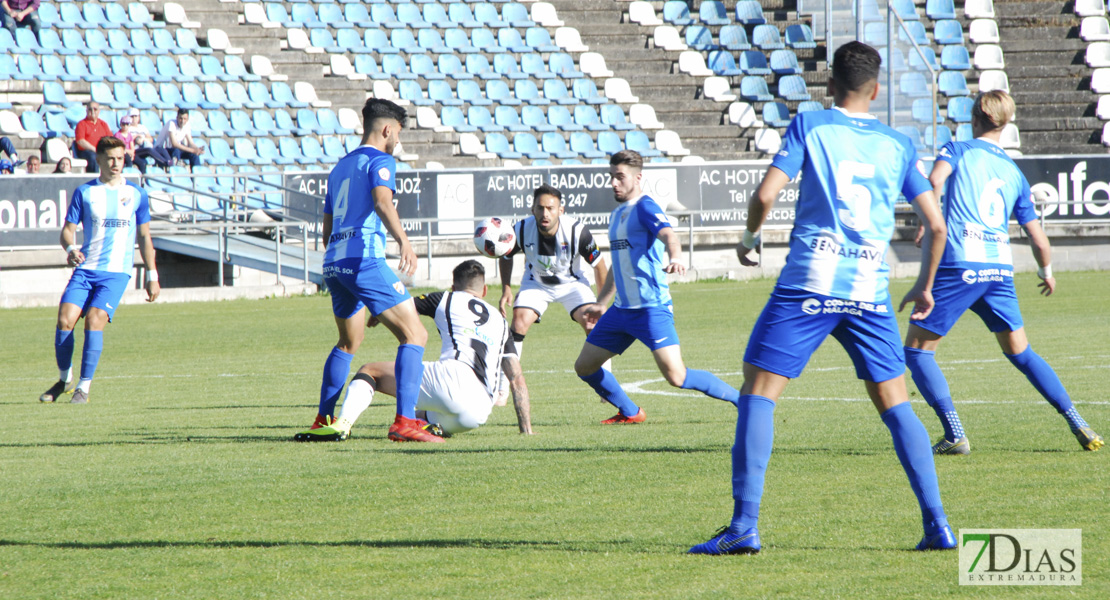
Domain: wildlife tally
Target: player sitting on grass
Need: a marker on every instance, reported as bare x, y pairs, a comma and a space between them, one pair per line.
457, 391
835, 282
114, 213
982, 188
642, 309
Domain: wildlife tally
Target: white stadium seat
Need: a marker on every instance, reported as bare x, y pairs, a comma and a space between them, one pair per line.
693, 62
643, 13
1106, 134
743, 115
255, 14
643, 116
426, 118
983, 31
1098, 54
1094, 29
10, 125
568, 39
1090, 8
349, 119
1100, 81
470, 145
670, 143
174, 14
304, 92
434, 165
692, 159
618, 90
989, 56
593, 64
218, 40
297, 39
718, 89
979, 9
261, 66
667, 38
56, 150
1103, 109
768, 141
386, 91
1010, 138
994, 80
544, 14
341, 67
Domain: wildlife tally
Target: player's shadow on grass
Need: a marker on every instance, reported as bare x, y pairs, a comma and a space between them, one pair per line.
592, 547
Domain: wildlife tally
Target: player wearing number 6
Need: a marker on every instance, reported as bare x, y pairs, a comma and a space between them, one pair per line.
982, 188
358, 210
835, 282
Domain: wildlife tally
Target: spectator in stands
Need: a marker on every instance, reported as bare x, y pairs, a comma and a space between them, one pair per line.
64, 165
34, 163
89, 131
20, 13
128, 138
177, 140
144, 144
7, 147
6, 167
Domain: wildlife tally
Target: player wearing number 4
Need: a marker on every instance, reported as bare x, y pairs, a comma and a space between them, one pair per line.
835, 282
114, 214
358, 210
642, 310
458, 390
982, 188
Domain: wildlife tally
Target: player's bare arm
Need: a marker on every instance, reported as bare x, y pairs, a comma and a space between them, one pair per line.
932, 249
594, 311
759, 206
146, 250
68, 239
505, 267
387, 212
519, 388
1042, 253
669, 238
325, 229
601, 272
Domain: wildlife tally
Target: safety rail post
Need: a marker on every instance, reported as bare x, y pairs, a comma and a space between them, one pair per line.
304, 250
277, 250
220, 253
428, 241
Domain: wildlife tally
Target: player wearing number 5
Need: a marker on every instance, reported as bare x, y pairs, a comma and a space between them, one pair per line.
982, 188
358, 210
835, 282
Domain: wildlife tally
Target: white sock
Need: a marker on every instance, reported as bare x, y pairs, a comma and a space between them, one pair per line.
519, 349
66, 375
85, 385
359, 396
608, 365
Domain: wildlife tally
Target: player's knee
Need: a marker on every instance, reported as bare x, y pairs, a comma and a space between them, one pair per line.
675, 377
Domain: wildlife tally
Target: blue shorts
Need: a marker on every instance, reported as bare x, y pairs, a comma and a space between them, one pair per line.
795, 322
355, 283
96, 289
988, 292
619, 327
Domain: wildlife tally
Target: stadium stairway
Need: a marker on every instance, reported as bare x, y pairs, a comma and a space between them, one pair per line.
1048, 78
654, 77
246, 251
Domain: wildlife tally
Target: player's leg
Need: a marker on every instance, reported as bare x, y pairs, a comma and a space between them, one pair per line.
608, 339
920, 349
404, 322
523, 318
104, 298
360, 393
68, 314
337, 365
453, 398
1016, 347
578, 314
529, 305
669, 361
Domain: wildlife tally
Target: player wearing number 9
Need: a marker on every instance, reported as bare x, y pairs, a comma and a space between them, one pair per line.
835, 282
982, 188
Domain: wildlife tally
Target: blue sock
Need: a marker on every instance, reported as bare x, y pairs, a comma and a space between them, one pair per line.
63, 349
1043, 378
336, 369
607, 386
911, 444
1074, 420
90, 353
933, 386
710, 385
408, 370
755, 434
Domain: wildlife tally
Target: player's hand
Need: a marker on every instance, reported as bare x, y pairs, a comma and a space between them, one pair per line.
592, 313
408, 260
744, 254
75, 258
922, 300
153, 288
1047, 285
506, 301
920, 235
675, 268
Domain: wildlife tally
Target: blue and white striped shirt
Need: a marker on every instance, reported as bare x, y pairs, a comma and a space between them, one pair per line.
110, 216
637, 254
357, 231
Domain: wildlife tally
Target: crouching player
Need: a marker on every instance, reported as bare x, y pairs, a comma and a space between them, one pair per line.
457, 392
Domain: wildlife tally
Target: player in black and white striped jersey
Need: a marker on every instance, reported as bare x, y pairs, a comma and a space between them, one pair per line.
457, 392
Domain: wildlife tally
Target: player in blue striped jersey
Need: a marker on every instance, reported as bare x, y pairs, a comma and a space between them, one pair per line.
639, 233
982, 189
358, 211
114, 213
835, 283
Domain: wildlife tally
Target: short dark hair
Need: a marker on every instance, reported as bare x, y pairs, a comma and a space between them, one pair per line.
627, 157
466, 272
377, 108
107, 143
34, 157
182, 111
547, 190
854, 65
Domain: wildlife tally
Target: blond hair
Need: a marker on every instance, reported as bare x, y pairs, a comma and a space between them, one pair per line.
993, 110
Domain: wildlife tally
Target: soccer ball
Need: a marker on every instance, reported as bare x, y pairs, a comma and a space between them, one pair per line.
494, 237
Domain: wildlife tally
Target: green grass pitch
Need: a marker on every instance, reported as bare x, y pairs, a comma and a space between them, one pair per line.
179, 479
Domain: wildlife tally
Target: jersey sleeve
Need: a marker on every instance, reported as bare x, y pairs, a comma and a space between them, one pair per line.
914, 183
426, 303
327, 200
792, 153
651, 216
587, 247
383, 172
142, 211
951, 153
1024, 210
76, 206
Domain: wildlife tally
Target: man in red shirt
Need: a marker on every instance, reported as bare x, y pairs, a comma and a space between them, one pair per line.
89, 131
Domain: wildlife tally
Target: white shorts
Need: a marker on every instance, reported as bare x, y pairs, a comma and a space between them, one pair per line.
536, 296
453, 396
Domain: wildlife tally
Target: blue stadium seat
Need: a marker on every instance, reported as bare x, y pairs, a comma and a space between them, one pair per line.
510, 39
244, 149
585, 116
48, 16
754, 62
562, 65
480, 117
431, 41
499, 144
613, 116
897, 61
940, 9
749, 12
410, 90
556, 91
311, 149
713, 12
944, 135
638, 140
469, 92
54, 70
914, 134
306, 119
784, 62
32, 122
540, 39
69, 16
259, 95
149, 92
964, 132
930, 59
959, 109
526, 144
291, 150
323, 39
332, 16
93, 17
700, 38
462, 15
533, 65
264, 122
29, 68
733, 37
453, 117
284, 120
96, 43
800, 37
217, 94
237, 69
585, 90
213, 68
754, 89
139, 15
498, 92
76, 66
516, 15
120, 43
333, 148
767, 37
776, 114
356, 14
412, 16
116, 16
953, 83
241, 121
219, 124
913, 84
436, 14
955, 58
383, 15
793, 87
440, 91
365, 64
536, 119
916, 32
283, 95
485, 40
145, 70
948, 32
875, 34
722, 63
559, 116
52, 44
193, 94
609, 143
921, 109
170, 94
269, 153
57, 124
54, 93
507, 117
127, 98
810, 106
486, 14
276, 13
458, 40
905, 9
676, 12
395, 66
582, 144
190, 69
555, 145
478, 65
506, 66
422, 65
164, 43
187, 41
99, 92
378, 41
451, 66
